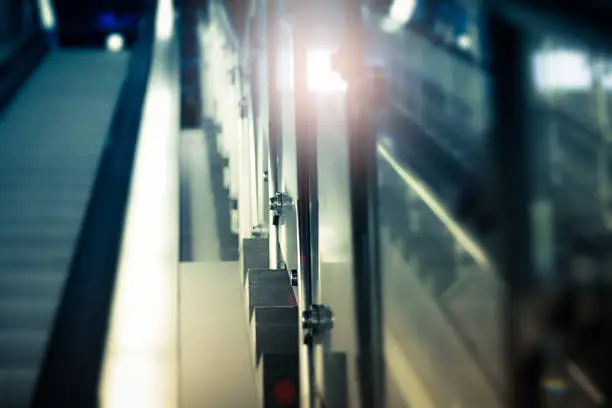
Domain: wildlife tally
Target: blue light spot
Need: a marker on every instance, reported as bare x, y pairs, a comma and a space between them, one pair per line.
107, 20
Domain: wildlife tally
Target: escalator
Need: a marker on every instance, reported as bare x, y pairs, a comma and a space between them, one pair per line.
52, 136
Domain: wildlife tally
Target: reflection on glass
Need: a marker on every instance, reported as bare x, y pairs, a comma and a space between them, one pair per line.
441, 307
569, 70
562, 70
442, 295
338, 357
574, 119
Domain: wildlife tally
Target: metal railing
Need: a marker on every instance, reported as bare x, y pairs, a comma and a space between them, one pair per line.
428, 252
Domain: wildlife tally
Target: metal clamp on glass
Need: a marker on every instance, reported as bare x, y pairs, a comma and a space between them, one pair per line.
317, 320
243, 104
293, 276
233, 73
278, 205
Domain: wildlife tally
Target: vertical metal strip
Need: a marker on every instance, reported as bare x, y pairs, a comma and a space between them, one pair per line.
511, 151
274, 122
364, 213
305, 150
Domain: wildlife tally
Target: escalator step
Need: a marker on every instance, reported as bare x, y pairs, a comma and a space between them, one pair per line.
38, 213
58, 182
22, 348
44, 282
24, 259
49, 253
16, 387
26, 313
36, 234
43, 197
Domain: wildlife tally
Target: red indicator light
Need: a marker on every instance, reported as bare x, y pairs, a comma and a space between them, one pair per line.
285, 393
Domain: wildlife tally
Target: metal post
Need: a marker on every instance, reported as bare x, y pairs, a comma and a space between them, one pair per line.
603, 122
511, 153
271, 22
313, 200
364, 217
306, 164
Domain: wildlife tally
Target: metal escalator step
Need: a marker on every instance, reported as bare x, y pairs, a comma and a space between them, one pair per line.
32, 134
27, 313
26, 258
17, 386
40, 158
37, 213
41, 197
48, 163
34, 243
22, 348
47, 169
25, 208
57, 184
48, 252
44, 282
70, 167
47, 189
37, 233
49, 231
89, 157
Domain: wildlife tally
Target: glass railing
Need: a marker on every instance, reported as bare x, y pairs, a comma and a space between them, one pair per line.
572, 86
442, 296
443, 299
445, 97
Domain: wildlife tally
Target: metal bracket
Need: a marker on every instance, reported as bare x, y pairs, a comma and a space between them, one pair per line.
294, 277
279, 204
259, 231
243, 105
317, 320
233, 73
